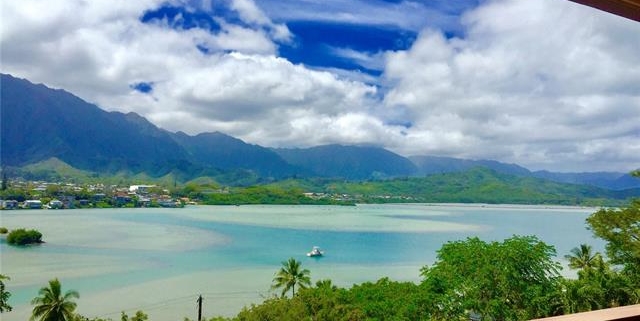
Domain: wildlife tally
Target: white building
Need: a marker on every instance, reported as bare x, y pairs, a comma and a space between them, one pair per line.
140, 189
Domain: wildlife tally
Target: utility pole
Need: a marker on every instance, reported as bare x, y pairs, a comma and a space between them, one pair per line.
200, 307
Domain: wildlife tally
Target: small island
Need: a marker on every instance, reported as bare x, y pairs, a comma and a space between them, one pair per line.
24, 237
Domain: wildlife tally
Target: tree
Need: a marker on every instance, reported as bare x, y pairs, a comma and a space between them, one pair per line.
289, 275
24, 237
4, 181
599, 287
4, 295
512, 280
621, 229
139, 316
51, 305
583, 258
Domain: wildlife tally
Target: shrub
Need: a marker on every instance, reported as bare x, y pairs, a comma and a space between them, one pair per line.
3, 230
24, 237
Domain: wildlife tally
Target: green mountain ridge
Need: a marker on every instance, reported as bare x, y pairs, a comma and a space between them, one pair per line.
44, 128
477, 185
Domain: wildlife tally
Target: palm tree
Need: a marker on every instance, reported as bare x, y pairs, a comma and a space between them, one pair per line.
51, 305
325, 284
583, 258
289, 275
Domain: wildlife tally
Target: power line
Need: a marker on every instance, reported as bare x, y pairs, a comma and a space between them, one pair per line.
184, 299
153, 306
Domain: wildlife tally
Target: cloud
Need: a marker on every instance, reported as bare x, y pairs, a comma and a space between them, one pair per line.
175, 69
250, 12
407, 15
540, 83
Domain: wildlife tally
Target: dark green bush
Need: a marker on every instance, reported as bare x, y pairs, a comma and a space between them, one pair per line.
24, 237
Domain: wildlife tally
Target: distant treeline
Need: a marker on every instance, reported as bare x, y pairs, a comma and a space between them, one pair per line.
478, 185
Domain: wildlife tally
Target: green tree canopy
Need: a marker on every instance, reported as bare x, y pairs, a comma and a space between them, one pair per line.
621, 229
511, 280
23, 237
583, 258
52, 305
139, 316
290, 274
4, 295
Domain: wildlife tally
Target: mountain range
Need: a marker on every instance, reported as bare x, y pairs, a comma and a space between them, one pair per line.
39, 124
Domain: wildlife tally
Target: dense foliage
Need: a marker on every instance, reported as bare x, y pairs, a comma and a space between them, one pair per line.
382, 300
4, 295
23, 237
264, 195
481, 185
512, 280
478, 185
620, 227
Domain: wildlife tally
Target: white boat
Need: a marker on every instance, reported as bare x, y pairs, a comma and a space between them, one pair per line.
315, 252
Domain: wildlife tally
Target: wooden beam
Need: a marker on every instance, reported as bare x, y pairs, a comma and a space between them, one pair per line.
625, 313
629, 9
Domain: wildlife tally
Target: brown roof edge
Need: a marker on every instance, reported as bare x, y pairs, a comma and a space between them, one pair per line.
629, 9
625, 313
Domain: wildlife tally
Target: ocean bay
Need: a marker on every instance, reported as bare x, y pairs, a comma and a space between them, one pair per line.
160, 260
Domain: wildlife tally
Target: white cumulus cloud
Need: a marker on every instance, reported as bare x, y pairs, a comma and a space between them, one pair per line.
540, 83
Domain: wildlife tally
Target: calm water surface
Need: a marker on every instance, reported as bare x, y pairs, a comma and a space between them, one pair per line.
160, 260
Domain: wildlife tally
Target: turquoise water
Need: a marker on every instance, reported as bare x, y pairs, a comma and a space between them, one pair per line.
159, 260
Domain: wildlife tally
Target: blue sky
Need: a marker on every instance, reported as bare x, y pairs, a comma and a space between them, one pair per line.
319, 37
547, 84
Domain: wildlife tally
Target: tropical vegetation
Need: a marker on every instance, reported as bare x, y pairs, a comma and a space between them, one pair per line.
510, 280
4, 295
477, 185
24, 237
53, 305
290, 275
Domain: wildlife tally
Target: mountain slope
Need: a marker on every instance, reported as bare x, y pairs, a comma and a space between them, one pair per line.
349, 162
226, 153
39, 123
434, 165
482, 185
610, 180
428, 165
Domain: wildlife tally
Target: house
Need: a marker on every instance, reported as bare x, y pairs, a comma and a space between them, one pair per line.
144, 202
97, 197
121, 199
140, 189
32, 204
55, 204
8, 204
